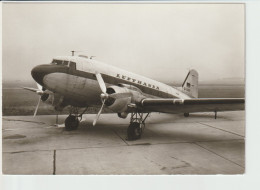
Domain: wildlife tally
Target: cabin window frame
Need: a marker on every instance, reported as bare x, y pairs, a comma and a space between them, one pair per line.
67, 63
72, 65
57, 62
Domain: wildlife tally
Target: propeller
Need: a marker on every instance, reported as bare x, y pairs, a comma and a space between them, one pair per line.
40, 92
97, 116
101, 83
39, 101
104, 95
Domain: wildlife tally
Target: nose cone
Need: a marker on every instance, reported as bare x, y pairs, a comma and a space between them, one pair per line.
39, 72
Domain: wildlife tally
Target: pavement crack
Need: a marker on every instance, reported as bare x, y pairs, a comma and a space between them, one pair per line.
17, 152
54, 162
219, 155
121, 138
154, 162
221, 129
140, 144
186, 164
61, 149
37, 122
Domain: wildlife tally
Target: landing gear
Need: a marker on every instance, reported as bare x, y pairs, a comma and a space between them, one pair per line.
186, 114
72, 121
134, 131
136, 127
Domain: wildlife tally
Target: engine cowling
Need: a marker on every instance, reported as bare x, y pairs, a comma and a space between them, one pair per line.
55, 100
120, 105
123, 115
47, 98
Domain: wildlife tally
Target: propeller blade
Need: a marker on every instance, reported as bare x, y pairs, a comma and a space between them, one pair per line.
95, 120
31, 89
120, 95
39, 87
101, 83
39, 101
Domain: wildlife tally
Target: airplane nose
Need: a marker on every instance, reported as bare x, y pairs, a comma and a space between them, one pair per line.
39, 72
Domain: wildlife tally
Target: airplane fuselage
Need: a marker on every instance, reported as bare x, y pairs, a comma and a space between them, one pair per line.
82, 82
74, 78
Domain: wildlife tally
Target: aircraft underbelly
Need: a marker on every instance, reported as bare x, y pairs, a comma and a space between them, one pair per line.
73, 87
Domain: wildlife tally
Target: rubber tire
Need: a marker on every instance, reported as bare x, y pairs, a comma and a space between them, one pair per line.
134, 131
186, 114
71, 123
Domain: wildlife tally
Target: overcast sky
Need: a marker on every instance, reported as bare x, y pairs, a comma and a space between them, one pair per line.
160, 41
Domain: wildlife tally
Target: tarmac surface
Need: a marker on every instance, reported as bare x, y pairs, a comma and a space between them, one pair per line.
171, 144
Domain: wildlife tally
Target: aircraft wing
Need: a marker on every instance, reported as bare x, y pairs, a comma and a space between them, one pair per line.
192, 105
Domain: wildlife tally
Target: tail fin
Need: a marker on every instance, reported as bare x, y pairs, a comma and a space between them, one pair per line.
190, 84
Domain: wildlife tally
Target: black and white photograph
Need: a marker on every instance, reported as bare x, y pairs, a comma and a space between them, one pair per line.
123, 88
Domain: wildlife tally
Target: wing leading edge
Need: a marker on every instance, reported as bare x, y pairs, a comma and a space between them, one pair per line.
192, 105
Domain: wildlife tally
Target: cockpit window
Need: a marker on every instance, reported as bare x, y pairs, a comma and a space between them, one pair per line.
56, 62
60, 62
66, 63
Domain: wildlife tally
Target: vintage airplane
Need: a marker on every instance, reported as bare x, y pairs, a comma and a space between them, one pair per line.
80, 82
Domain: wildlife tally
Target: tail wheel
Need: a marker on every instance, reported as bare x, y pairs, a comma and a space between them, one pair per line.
71, 123
134, 131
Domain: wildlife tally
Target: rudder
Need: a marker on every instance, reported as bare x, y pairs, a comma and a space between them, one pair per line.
190, 84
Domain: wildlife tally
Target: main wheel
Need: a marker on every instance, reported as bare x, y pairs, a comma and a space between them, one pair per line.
186, 114
134, 131
71, 123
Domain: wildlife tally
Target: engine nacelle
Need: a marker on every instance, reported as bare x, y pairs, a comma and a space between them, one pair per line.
55, 100
123, 115
47, 98
120, 105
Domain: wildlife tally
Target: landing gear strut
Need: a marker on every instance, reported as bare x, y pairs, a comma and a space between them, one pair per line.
137, 125
72, 121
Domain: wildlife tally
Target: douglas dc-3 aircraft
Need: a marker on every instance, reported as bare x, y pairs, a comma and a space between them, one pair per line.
80, 82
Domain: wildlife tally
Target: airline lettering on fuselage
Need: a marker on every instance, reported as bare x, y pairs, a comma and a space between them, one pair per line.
137, 81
